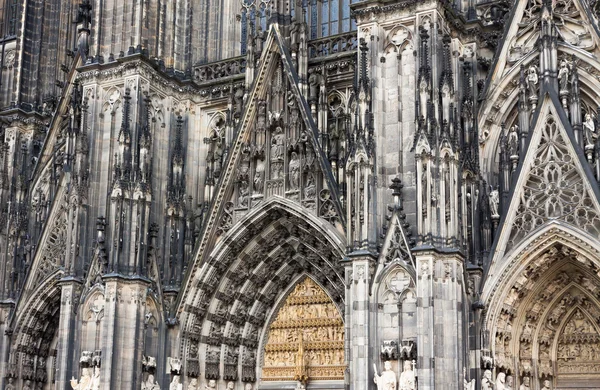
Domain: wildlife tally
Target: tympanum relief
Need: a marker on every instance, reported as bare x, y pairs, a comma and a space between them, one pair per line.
307, 332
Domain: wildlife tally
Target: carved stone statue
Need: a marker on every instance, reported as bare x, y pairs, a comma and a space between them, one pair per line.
563, 76
248, 386
513, 141
509, 383
150, 383
387, 379
175, 385
486, 381
230, 385
9, 385
294, 171
277, 144
96, 378
500, 381
547, 385
193, 384
494, 199
85, 383
532, 80
589, 129
259, 177
212, 385
525, 384
407, 378
27, 385
467, 385
310, 190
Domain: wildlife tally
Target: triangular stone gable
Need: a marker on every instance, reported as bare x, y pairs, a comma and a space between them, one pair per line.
553, 182
398, 242
575, 25
252, 164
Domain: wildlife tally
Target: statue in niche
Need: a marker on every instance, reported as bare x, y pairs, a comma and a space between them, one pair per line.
589, 130
547, 385
85, 383
150, 383
513, 141
310, 190
486, 381
294, 171
212, 385
494, 199
407, 378
259, 177
532, 80
230, 385
525, 384
277, 144
27, 385
500, 381
387, 379
216, 140
509, 383
9, 385
175, 385
248, 386
243, 195
563, 76
193, 384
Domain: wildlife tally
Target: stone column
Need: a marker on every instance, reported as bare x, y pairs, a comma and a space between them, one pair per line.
5, 335
123, 332
66, 356
439, 319
358, 269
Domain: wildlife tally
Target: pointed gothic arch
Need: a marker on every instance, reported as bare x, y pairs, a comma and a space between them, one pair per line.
530, 302
305, 317
248, 270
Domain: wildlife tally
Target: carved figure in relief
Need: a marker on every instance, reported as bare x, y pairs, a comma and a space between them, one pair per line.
294, 171
547, 385
27, 385
589, 129
230, 385
175, 385
525, 384
387, 379
193, 384
500, 381
407, 378
494, 199
85, 383
486, 381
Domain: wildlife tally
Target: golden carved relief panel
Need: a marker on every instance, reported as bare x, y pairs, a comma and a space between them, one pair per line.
306, 337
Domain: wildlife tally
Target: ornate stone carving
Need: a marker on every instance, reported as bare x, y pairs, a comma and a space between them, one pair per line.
486, 381
150, 383
308, 319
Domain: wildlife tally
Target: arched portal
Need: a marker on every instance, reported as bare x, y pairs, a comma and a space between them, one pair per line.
544, 313
306, 339
236, 290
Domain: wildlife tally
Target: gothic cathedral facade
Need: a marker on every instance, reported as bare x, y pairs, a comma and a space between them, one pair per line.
310, 194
